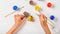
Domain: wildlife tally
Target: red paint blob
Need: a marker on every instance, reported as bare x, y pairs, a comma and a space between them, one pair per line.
49, 4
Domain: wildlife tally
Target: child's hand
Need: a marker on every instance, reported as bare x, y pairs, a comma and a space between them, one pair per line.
43, 22
19, 19
42, 18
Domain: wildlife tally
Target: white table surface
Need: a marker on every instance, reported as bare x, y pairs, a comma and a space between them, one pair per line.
29, 27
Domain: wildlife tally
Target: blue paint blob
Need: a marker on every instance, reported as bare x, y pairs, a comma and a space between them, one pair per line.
15, 7
52, 17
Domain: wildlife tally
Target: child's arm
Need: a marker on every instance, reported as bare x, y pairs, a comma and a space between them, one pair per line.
43, 22
18, 21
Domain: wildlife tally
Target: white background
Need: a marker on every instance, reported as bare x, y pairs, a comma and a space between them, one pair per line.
28, 27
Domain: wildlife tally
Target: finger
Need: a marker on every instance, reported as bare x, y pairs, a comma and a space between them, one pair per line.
45, 18
42, 16
21, 15
39, 15
23, 19
15, 15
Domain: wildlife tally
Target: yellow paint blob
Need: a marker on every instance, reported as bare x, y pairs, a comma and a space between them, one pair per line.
37, 8
30, 18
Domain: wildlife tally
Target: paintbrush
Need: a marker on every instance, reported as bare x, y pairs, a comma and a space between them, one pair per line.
13, 12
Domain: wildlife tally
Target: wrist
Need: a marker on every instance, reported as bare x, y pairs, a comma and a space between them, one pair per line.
9, 32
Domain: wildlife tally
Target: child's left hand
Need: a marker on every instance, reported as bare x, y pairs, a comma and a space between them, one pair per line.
19, 19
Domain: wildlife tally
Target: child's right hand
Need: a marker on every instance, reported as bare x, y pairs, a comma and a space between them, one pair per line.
42, 18
43, 22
